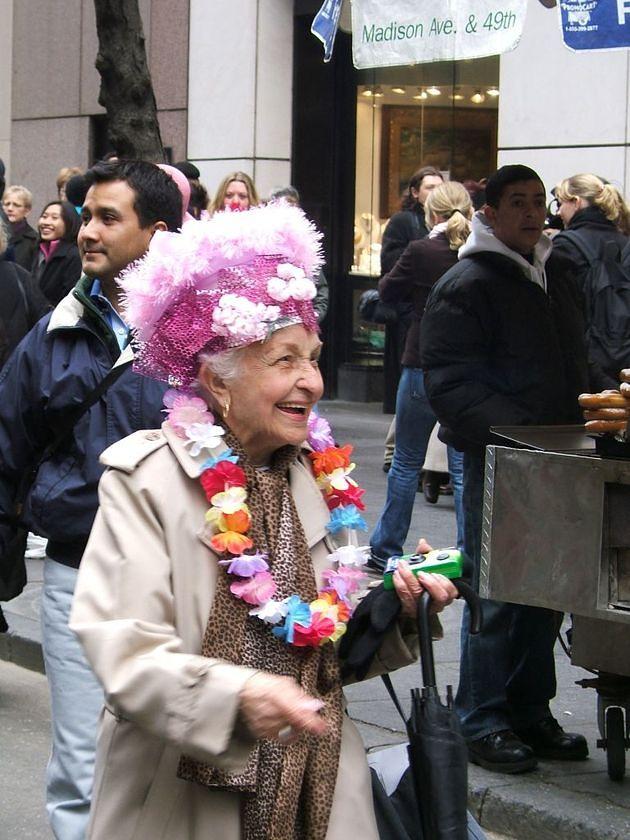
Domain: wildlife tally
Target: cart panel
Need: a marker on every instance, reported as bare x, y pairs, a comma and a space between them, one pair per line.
556, 532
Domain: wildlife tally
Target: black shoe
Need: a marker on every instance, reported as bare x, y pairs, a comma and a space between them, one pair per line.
431, 486
503, 752
387, 465
549, 740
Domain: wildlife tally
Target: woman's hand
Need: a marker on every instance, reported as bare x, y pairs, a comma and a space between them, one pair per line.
625, 383
276, 707
409, 588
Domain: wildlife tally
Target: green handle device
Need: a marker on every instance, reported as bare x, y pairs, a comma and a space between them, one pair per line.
447, 562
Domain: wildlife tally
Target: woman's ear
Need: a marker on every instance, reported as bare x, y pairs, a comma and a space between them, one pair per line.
213, 385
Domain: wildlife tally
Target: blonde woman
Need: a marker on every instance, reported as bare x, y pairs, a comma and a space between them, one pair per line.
594, 213
235, 192
448, 211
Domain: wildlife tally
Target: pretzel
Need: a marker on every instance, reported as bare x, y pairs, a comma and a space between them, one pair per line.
611, 426
606, 399
607, 414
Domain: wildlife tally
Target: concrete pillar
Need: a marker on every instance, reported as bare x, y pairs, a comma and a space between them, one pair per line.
240, 90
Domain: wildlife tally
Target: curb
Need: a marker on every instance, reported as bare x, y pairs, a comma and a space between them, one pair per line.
545, 812
21, 651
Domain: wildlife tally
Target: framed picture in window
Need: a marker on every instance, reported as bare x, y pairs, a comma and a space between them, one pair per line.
460, 141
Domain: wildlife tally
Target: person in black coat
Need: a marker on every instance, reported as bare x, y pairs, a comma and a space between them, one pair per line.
57, 266
502, 343
593, 213
17, 203
403, 227
421, 265
21, 302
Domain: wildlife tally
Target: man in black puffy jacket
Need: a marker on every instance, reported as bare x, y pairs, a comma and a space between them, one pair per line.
503, 344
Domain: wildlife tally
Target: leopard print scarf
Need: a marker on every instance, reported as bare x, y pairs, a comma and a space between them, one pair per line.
287, 789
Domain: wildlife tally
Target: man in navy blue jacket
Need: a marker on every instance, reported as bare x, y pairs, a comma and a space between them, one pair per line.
52, 372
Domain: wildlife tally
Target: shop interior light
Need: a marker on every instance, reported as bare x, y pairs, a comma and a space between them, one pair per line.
434, 91
477, 97
378, 91
399, 89
493, 91
421, 94
367, 91
457, 96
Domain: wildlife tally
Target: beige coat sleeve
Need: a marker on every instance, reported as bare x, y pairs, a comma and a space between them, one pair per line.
124, 614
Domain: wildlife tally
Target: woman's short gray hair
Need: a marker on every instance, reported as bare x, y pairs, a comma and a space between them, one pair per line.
226, 365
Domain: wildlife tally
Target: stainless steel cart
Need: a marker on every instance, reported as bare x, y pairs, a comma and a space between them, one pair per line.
556, 534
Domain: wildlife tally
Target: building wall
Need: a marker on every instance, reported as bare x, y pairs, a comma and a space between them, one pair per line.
6, 62
563, 112
240, 90
55, 84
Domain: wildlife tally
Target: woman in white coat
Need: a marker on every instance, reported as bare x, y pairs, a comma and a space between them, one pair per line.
211, 594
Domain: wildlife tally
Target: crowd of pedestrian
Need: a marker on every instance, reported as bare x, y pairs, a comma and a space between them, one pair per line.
190, 605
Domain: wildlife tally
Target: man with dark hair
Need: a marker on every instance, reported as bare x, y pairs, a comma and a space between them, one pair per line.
503, 344
55, 370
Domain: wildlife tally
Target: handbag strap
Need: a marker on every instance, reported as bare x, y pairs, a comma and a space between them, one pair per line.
72, 417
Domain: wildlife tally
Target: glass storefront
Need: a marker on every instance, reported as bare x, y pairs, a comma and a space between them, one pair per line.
443, 115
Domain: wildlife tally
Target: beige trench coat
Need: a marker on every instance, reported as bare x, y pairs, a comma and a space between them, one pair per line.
143, 596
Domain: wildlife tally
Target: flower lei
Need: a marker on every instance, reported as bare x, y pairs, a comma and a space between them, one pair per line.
293, 620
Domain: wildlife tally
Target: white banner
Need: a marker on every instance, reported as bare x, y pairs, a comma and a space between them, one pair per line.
387, 33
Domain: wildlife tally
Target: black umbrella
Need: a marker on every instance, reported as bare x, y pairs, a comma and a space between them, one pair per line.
438, 756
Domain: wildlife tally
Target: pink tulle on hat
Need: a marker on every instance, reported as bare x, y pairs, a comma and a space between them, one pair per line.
222, 283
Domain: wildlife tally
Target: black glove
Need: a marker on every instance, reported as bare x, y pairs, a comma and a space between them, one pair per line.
371, 620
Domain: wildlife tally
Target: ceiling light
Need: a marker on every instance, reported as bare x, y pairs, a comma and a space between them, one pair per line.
398, 89
378, 91
493, 91
457, 96
434, 91
421, 94
477, 97
367, 91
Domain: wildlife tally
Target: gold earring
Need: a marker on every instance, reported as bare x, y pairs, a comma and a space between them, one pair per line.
226, 409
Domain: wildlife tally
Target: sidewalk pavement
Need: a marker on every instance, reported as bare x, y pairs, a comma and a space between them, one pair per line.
560, 800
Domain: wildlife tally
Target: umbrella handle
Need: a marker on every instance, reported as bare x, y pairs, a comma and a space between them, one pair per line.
424, 627
474, 605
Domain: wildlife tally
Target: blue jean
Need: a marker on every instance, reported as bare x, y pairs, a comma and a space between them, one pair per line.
456, 472
507, 672
76, 699
414, 423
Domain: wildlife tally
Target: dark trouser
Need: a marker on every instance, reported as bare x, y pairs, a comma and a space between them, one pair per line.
507, 672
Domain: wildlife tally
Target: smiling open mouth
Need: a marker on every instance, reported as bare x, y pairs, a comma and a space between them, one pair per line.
292, 408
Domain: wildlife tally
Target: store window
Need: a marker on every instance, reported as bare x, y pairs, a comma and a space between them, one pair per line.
443, 115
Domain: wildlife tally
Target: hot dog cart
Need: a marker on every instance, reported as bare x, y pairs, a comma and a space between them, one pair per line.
556, 534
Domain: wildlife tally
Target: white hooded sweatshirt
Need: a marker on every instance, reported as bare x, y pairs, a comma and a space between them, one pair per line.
482, 240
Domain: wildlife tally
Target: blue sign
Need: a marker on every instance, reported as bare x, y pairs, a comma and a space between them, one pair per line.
595, 24
325, 25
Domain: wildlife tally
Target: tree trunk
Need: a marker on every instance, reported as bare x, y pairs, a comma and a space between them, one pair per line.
126, 90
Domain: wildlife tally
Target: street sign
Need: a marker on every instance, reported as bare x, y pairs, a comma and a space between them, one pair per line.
595, 24
387, 34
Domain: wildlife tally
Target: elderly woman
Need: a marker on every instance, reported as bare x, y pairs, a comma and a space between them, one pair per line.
211, 594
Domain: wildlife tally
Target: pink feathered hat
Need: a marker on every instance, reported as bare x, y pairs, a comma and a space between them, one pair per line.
222, 283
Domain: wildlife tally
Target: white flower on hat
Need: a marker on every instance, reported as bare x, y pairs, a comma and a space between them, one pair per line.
241, 319
290, 282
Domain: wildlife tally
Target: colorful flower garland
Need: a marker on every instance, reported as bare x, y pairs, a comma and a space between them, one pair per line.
293, 620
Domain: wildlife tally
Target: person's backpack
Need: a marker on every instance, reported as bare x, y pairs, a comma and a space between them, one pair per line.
607, 295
